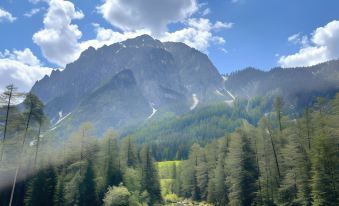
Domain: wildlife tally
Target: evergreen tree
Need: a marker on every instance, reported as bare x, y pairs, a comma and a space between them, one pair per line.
150, 179
278, 103
193, 162
243, 171
113, 170
129, 153
7, 98
87, 192
42, 188
221, 191
59, 196
325, 162
33, 111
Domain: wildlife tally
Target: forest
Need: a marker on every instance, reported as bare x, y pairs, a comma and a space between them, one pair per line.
255, 158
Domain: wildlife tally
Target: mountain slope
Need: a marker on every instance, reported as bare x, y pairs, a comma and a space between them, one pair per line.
139, 79
298, 86
169, 76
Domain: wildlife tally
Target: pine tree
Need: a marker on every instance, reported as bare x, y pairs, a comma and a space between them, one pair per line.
278, 103
7, 98
59, 196
150, 178
202, 176
221, 191
87, 192
113, 172
33, 111
129, 153
193, 162
243, 171
325, 161
42, 188
111, 169
295, 188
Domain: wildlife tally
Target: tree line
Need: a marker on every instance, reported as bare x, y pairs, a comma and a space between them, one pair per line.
275, 160
281, 161
39, 169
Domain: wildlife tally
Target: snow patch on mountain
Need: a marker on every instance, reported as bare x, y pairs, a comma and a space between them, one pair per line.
219, 93
61, 119
122, 44
195, 101
231, 95
229, 102
154, 110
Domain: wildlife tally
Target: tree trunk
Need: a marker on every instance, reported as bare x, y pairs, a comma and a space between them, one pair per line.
6, 122
274, 151
20, 157
37, 147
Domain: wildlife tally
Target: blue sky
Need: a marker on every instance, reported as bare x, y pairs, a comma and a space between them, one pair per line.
40, 35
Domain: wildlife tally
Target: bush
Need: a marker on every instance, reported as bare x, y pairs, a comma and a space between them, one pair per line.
117, 196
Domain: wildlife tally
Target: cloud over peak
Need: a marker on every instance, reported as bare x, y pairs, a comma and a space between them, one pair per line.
22, 68
60, 42
323, 45
198, 33
155, 15
58, 39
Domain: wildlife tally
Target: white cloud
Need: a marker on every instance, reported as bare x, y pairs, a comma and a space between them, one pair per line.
322, 46
198, 34
59, 38
32, 12
222, 25
6, 16
206, 11
27, 57
299, 39
107, 37
155, 15
21, 68
224, 50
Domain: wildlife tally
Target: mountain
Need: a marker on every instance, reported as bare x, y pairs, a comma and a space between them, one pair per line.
129, 82
136, 80
298, 86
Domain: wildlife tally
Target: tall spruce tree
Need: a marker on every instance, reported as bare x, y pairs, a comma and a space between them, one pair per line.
8, 99
87, 191
33, 111
243, 171
325, 161
42, 188
150, 178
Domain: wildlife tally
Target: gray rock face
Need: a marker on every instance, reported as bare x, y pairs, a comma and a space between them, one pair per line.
131, 81
165, 76
298, 86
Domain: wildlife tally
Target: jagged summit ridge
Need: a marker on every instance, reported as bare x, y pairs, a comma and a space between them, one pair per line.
166, 74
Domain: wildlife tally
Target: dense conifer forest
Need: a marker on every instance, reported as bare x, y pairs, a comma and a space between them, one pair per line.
221, 155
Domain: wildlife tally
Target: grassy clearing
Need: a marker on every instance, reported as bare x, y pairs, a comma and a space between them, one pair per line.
167, 173
167, 169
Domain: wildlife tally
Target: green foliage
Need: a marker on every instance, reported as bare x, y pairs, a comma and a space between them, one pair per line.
150, 177
87, 195
171, 137
167, 169
42, 188
117, 196
279, 161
